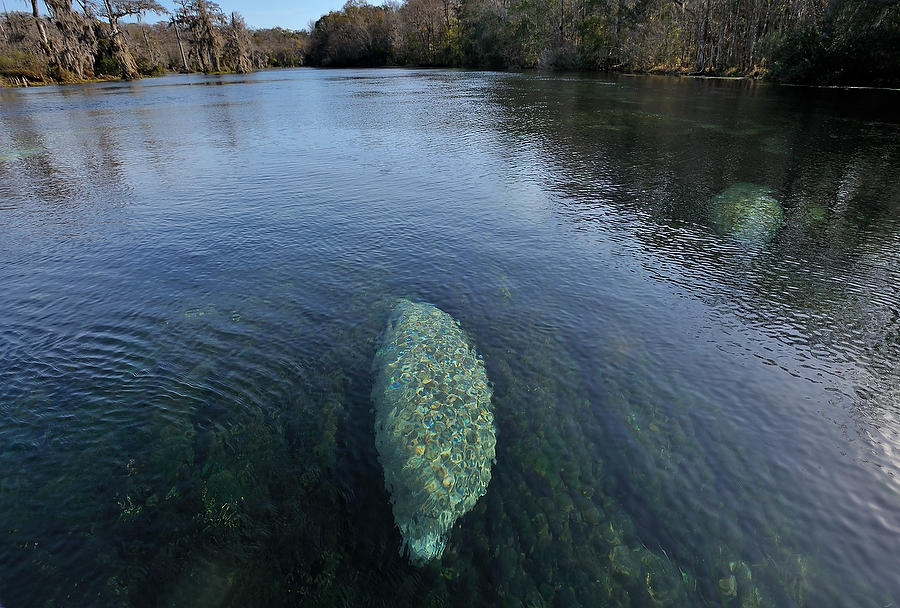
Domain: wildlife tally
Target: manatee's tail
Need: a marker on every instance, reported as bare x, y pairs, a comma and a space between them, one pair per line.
424, 548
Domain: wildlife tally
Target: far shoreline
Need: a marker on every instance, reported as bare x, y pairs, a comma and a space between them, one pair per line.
5, 82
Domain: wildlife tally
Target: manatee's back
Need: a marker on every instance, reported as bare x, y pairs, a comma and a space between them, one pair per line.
434, 427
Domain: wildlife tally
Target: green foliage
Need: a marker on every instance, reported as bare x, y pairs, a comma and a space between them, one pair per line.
18, 64
487, 40
61, 75
148, 69
855, 44
106, 62
821, 42
797, 55
862, 42
357, 35
814, 42
597, 43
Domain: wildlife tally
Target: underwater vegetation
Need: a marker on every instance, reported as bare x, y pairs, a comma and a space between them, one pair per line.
284, 505
746, 212
434, 428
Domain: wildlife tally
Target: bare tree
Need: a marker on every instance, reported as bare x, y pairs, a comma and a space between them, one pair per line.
147, 45
112, 11
203, 19
74, 47
45, 41
180, 44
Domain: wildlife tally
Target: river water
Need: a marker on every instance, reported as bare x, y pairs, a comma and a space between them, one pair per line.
686, 294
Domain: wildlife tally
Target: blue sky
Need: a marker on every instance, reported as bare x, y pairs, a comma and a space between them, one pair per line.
290, 14
294, 15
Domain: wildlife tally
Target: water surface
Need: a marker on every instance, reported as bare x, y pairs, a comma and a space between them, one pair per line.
691, 410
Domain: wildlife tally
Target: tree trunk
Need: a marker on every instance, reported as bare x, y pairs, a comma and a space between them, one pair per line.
150, 52
616, 37
702, 56
700, 34
180, 45
721, 37
754, 29
45, 42
120, 47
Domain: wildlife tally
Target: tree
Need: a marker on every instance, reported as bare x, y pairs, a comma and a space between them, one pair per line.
203, 19
358, 34
180, 44
74, 49
113, 10
40, 25
281, 47
238, 45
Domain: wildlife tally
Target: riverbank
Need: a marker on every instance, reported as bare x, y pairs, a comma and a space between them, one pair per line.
24, 81
36, 80
21, 81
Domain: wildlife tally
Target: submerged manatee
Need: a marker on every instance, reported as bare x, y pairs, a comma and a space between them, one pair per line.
434, 429
747, 212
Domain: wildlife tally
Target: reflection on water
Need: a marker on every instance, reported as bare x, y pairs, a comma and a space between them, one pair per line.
685, 293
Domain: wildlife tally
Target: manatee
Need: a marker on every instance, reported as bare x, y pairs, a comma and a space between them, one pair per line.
434, 428
746, 212
12, 155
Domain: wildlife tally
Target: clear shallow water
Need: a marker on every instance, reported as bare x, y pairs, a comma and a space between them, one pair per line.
195, 271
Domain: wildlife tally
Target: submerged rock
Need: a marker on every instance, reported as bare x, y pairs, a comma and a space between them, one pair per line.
746, 212
434, 429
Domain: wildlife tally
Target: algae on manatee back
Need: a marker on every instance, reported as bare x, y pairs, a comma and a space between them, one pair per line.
747, 212
434, 428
